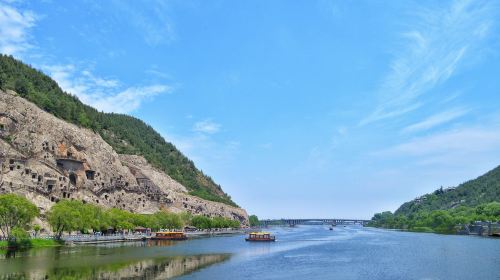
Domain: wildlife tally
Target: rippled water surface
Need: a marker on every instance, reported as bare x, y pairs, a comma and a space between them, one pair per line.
305, 252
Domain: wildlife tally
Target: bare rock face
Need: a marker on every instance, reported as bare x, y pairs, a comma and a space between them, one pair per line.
140, 167
159, 183
47, 159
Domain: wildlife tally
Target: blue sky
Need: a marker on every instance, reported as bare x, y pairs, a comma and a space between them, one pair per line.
297, 108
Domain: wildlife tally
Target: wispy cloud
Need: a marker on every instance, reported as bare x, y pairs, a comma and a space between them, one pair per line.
150, 19
206, 126
266, 146
204, 150
433, 50
159, 74
14, 29
436, 120
104, 94
129, 99
465, 145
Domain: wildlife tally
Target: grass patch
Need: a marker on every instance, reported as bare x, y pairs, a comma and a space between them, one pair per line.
32, 243
38, 242
422, 229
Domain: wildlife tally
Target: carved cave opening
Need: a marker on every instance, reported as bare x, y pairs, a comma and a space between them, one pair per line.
72, 178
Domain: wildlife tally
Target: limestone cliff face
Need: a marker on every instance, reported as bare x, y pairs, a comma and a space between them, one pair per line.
47, 159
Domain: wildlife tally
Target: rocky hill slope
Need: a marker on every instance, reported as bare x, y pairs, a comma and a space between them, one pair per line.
48, 159
126, 134
483, 189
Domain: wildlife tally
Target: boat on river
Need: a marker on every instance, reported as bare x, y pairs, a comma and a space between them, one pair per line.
169, 235
260, 237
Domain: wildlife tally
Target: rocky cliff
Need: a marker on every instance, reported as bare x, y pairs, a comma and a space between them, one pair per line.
47, 159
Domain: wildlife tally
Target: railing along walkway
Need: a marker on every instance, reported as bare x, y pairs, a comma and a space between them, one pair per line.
104, 238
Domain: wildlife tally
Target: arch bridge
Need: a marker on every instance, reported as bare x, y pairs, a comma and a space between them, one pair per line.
328, 221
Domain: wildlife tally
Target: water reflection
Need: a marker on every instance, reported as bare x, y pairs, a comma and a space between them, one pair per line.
49, 265
162, 243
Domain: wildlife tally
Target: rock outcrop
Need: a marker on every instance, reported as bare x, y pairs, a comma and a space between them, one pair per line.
47, 159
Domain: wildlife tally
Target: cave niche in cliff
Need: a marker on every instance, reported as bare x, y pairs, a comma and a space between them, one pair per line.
72, 178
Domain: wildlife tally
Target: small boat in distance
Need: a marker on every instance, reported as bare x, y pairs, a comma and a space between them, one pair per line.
261, 237
169, 235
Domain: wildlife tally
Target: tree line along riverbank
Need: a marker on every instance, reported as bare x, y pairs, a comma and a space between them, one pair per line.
447, 221
446, 210
17, 215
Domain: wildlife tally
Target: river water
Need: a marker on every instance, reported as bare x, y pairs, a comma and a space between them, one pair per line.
303, 252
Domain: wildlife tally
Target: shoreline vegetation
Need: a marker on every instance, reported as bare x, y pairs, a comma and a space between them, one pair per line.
30, 243
446, 221
66, 216
448, 210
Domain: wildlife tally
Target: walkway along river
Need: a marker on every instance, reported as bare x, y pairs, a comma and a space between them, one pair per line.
302, 252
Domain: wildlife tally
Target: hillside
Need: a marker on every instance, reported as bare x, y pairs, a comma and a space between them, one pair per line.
125, 134
442, 210
483, 189
46, 160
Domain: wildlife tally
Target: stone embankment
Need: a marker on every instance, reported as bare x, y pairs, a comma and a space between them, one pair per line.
480, 228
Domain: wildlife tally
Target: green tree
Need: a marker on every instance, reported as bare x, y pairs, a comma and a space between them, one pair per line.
66, 215
254, 220
121, 219
201, 222
168, 220
37, 229
21, 87
186, 217
15, 212
94, 217
490, 210
441, 221
19, 237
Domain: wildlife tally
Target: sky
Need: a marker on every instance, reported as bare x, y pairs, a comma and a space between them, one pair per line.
299, 109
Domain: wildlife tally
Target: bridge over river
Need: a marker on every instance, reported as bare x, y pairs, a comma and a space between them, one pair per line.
327, 221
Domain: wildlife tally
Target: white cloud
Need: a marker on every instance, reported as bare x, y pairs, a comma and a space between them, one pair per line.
266, 146
206, 152
14, 29
467, 145
151, 20
104, 94
159, 74
127, 100
207, 126
436, 120
434, 49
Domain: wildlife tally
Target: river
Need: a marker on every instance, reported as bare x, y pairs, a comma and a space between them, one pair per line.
303, 252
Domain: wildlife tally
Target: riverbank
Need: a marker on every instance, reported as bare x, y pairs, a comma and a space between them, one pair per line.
93, 239
481, 230
69, 240
303, 252
31, 243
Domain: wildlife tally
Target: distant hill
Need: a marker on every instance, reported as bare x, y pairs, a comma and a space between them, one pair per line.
126, 134
444, 209
483, 189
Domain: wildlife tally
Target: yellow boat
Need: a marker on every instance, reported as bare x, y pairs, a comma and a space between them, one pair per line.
169, 235
261, 237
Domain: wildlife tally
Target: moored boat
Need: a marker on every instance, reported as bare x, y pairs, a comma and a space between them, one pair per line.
169, 235
261, 237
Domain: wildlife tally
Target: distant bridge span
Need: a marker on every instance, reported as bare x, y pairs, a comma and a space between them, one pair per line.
293, 222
